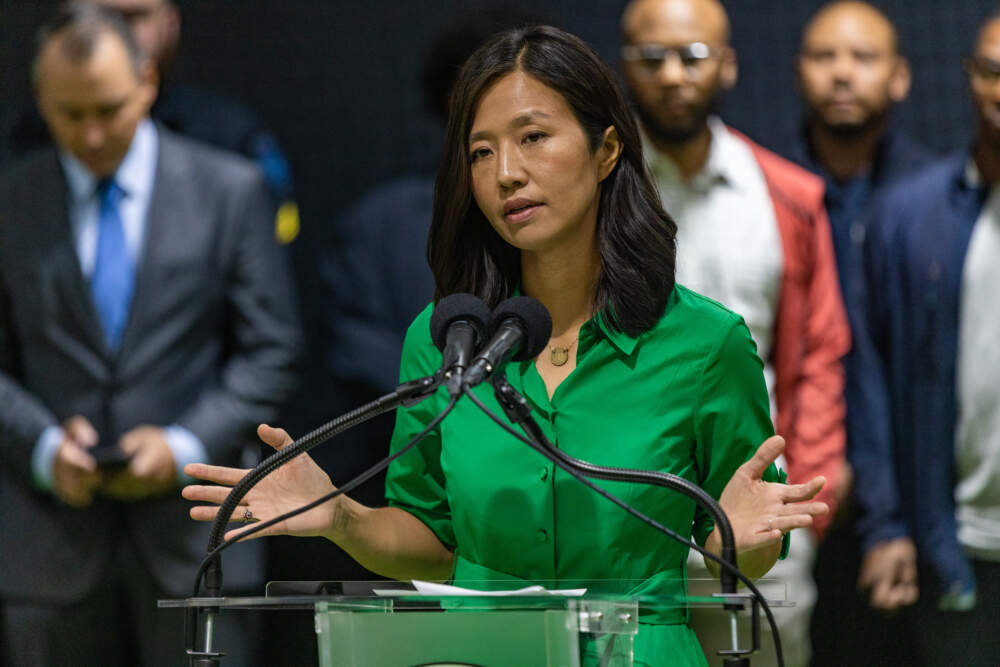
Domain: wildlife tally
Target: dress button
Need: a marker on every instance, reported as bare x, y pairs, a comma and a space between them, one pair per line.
542, 536
543, 474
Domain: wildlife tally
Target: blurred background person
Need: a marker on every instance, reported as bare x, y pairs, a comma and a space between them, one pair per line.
851, 75
191, 110
753, 234
931, 326
147, 321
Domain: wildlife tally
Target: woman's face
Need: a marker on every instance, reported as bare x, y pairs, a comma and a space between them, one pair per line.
533, 174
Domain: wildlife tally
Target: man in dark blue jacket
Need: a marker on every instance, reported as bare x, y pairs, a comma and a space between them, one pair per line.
851, 74
928, 361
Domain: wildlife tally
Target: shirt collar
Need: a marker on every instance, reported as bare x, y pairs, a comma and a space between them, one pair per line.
719, 168
625, 343
134, 175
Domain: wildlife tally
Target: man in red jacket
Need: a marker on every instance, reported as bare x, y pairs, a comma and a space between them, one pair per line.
753, 234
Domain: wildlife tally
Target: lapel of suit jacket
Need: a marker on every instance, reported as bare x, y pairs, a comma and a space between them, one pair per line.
157, 235
70, 285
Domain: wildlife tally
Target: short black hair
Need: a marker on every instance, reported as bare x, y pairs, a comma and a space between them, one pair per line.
636, 237
84, 23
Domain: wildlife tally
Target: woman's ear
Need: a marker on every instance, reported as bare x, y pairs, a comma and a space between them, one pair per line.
608, 152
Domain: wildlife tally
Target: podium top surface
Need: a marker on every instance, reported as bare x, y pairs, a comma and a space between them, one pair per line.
396, 595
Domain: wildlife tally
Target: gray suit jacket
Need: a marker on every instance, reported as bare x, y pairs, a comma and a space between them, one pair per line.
211, 344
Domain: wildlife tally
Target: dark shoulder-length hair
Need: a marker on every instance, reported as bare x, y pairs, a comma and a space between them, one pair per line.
636, 237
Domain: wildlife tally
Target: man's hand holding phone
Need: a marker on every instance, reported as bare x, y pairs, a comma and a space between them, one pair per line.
75, 473
149, 470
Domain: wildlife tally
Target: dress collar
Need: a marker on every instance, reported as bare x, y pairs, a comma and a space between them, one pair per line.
625, 343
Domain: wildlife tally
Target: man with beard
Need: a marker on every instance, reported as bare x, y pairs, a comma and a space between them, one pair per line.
931, 325
850, 75
753, 234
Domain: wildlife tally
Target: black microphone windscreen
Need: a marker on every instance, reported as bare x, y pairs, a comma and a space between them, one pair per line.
535, 318
459, 306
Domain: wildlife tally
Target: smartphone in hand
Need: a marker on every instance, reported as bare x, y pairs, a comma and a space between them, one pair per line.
110, 458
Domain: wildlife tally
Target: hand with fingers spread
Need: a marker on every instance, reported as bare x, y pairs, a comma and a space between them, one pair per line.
889, 572
75, 477
762, 512
298, 482
386, 540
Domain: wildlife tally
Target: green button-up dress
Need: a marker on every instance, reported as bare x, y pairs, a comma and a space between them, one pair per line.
686, 397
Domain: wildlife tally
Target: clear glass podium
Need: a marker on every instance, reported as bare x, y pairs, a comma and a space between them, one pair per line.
391, 624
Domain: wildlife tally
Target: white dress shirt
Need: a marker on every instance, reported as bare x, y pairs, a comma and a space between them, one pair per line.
728, 244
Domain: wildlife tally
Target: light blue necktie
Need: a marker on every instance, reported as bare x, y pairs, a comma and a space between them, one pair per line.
114, 273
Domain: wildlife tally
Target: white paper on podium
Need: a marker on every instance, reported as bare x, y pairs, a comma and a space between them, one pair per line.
444, 590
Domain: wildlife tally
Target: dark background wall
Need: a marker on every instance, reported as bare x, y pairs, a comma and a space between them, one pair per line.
338, 80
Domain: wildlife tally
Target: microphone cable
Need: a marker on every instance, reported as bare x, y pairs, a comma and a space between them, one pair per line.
568, 464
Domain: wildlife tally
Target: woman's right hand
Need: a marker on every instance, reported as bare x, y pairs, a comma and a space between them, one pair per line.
296, 483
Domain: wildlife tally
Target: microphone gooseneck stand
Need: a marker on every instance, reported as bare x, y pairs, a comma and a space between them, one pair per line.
516, 407
407, 394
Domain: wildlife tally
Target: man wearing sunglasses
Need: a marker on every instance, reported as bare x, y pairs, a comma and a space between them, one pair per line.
752, 234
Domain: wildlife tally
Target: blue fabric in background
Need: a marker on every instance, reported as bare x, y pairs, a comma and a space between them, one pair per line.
906, 353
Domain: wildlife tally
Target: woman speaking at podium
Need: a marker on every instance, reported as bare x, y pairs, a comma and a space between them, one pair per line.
542, 191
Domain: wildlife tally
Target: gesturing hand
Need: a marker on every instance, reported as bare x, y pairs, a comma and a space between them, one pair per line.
297, 483
762, 512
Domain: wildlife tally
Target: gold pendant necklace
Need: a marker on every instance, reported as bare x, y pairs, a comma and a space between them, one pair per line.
560, 355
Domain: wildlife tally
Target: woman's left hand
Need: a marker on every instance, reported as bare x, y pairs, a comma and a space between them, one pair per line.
762, 512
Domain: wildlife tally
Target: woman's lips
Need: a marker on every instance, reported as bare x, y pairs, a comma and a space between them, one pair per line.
521, 214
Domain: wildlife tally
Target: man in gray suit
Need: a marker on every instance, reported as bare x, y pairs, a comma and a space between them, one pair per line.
146, 321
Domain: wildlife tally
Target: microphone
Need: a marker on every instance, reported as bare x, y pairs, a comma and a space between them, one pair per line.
458, 326
521, 328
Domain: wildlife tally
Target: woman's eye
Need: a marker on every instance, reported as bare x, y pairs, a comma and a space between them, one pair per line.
533, 137
478, 154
